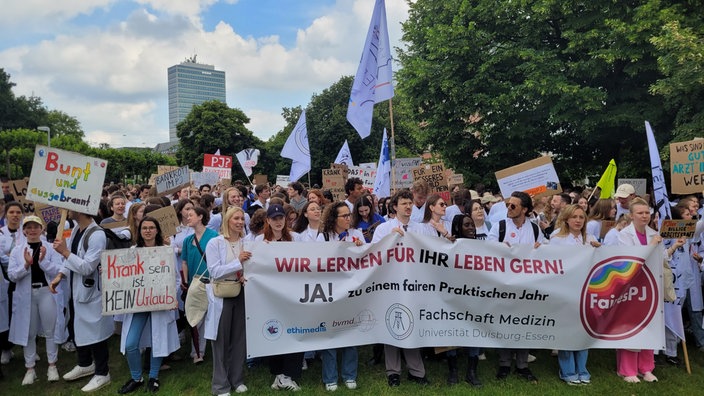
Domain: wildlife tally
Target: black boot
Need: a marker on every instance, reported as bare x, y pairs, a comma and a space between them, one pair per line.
452, 378
472, 377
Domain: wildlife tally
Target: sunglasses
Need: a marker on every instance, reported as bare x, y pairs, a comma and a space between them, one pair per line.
512, 206
443, 204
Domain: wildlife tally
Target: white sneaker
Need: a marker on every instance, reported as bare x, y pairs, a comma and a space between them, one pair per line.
69, 346
242, 388
97, 382
351, 384
6, 356
531, 358
52, 375
79, 372
284, 382
224, 394
29, 377
331, 387
304, 366
482, 356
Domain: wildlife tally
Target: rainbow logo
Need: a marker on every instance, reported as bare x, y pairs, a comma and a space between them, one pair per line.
619, 298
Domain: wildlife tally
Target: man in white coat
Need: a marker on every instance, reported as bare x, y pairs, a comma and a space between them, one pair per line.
91, 329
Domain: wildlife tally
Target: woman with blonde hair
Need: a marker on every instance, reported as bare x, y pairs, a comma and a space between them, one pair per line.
572, 226
634, 363
225, 320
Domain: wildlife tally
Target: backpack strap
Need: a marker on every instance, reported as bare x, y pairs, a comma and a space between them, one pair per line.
87, 235
502, 230
536, 230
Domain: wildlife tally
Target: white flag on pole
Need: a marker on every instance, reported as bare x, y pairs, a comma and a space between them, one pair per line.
382, 183
662, 202
248, 159
373, 81
345, 155
297, 149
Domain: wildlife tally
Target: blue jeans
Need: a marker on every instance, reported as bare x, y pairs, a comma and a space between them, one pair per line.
134, 357
573, 365
349, 364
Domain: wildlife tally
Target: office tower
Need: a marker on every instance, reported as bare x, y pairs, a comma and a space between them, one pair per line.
192, 83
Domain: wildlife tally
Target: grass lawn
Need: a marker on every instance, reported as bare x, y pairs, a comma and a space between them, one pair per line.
186, 379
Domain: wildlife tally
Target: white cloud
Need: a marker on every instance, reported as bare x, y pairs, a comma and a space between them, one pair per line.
30, 14
113, 78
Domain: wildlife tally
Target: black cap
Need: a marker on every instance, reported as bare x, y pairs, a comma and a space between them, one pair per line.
275, 211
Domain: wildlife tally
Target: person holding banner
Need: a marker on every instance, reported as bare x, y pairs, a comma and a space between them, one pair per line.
91, 329
161, 336
307, 225
516, 229
402, 204
365, 218
287, 367
633, 363
336, 227
225, 319
572, 231
33, 265
463, 227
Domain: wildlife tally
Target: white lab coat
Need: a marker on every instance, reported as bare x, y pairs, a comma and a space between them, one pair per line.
22, 297
218, 267
89, 324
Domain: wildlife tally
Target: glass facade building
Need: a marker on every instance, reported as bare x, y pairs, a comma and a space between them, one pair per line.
191, 84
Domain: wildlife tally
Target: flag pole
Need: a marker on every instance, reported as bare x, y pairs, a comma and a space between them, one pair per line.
392, 146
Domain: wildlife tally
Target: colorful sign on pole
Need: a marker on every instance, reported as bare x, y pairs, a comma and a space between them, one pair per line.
536, 177
66, 180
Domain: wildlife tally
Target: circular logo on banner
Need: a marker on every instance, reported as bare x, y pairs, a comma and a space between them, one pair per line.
365, 320
272, 329
399, 321
619, 298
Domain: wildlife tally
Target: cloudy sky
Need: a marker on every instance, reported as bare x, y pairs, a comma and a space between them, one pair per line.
104, 61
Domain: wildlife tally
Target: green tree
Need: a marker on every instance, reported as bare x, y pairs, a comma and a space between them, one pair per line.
63, 124
18, 112
495, 83
18, 150
212, 126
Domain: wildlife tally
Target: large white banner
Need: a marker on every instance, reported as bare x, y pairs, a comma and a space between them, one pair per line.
416, 291
138, 280
66, 180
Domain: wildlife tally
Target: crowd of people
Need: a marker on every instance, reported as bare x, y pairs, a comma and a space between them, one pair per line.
50, 286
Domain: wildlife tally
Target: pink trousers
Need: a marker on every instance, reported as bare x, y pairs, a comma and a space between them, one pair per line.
630, 363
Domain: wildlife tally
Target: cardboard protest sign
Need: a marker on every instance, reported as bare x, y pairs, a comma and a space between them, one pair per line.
161, 169
66, 180
639, 184
455, 179
115, 224
334, 180
536, 177
368, 175
687, 166
170, 182
200, 178
220, 164
434, 175
283, 180
403, 171
47, 213
168, 221
138, 280
672, 229
260, 179
18, 189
